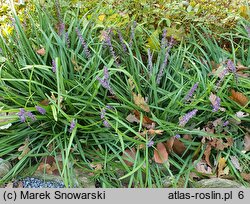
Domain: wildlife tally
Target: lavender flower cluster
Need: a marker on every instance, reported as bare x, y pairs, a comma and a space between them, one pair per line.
104, 82
84, 44
191, 92
164, 64
24, 115
107, 39
132, 34
53, 66
122, 41
102, 116
184, 119
150, 62
216, 104
72, 125
59, 16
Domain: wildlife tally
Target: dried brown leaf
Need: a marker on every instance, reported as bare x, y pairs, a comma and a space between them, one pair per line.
245, 176
131, 118
207, 154
239, 97
139, 101
24, 149
169, 144
160, 153
247, 142
235, 162
129, 156
45, 102
155, 132
97, 166
203, 168
41, 52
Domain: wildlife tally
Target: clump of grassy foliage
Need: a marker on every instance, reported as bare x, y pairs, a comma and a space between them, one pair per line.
63, 78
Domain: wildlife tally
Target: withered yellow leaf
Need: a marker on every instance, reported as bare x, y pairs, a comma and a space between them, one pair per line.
139, 101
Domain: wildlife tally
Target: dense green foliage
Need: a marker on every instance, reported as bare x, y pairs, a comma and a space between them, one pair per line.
51, 64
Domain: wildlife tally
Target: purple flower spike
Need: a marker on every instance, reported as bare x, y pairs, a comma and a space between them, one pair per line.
164, 40
84, 44
40, 110
67, 40
216, 104
231, 67
31, 116
226, 123
150, 63
103, 112
53, 66
106, 124
72, 125
122, 41
21, 115
191, 92
104, 82
248, 30
107, 40
132, 34
183, 120
150, 143
164, 64
59, 16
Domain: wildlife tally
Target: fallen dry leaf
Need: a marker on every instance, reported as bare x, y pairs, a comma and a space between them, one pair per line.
129, 156
155, 132
218, 122
44, 102
235, 162
139, 101
175, 145
146, 121
241, 114
24, 149
151, 132
41, 52
203, 168
49, 169
218, 143
247, 142
240, 70
49, 165
221, 166
9, 185
54, 98
245, 176
97, 166
169, 144
131, 118
207, 153
160, 153
238, 97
